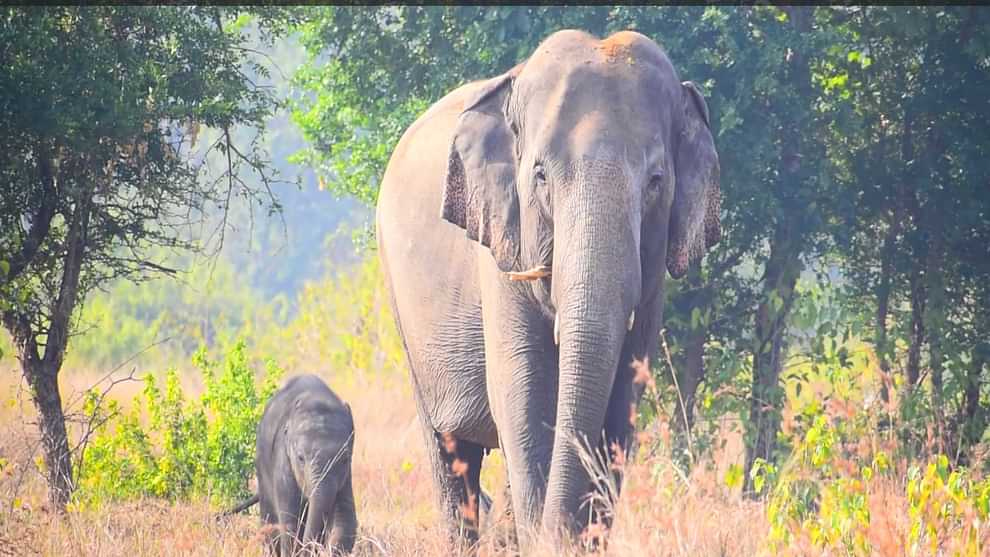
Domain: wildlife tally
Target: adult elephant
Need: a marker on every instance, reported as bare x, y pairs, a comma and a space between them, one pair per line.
525, 226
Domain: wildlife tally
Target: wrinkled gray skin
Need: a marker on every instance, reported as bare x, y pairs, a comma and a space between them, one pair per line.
303, 463
591, 157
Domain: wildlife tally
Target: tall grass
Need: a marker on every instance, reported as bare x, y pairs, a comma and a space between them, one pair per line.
845, 488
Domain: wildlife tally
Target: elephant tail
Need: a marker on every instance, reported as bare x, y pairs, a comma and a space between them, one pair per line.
241, 507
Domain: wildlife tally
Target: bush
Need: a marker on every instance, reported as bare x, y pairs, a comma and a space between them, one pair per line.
170, 447
167, 320
846, 488
345, 320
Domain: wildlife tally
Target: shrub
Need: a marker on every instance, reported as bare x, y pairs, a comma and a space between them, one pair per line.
847, 489
344, 319
171, 447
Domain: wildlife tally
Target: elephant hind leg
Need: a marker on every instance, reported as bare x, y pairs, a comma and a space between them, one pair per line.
290, 513
269, 522
463, 460
456, 469
456, 466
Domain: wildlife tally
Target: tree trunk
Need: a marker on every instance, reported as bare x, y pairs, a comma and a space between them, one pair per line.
782, 271
43, 381
936, 355
691, 374
41, 372
883, 301
916, 334
690, 370
935, 307
973, 422
784, 265
54, 438
690, 366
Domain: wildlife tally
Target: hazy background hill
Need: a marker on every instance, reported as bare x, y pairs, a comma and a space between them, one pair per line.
257, 276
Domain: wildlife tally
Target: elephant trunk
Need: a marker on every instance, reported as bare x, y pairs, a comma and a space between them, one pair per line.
319, 514
596, 285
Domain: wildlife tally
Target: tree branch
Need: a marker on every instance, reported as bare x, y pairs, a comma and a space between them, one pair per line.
40, 224
61, 317
20, 329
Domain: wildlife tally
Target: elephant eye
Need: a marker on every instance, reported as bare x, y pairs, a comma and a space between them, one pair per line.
539, 174
656, 181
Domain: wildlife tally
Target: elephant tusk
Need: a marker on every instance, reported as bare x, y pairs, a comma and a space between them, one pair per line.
538, 272
556, 329
632, 319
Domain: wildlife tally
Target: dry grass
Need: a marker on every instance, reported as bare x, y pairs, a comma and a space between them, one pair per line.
661, 514
658, 514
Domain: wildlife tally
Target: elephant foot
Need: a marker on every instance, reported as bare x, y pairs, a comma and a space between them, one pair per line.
498, 523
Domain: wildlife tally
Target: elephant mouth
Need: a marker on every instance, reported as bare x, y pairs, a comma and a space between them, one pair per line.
538, 272
540, 278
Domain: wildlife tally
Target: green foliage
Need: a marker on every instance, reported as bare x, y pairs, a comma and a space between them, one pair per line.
108, 102
345, 320
102, 108
171, 447
210, 306
844, 481
946, 503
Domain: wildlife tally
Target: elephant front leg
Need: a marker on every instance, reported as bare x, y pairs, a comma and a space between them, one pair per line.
525, 418
344, 520
521, 367
288, 534
618, 441
287, 501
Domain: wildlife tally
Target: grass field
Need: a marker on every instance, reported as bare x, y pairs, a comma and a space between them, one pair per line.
658, 514
862, 506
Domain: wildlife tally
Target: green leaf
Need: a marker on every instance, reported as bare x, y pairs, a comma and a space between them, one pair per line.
776, 302
734, 476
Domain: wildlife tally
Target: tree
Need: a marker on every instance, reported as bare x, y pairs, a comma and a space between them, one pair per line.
101, 109
388, 64
372, 70
910, 146
821, 117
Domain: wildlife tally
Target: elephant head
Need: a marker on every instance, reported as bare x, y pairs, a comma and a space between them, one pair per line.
319, 448
591, 158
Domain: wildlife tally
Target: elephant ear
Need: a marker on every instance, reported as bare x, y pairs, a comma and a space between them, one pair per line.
480, 184
694, 219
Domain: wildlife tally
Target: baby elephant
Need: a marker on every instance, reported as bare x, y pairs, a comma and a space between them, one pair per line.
305, 440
